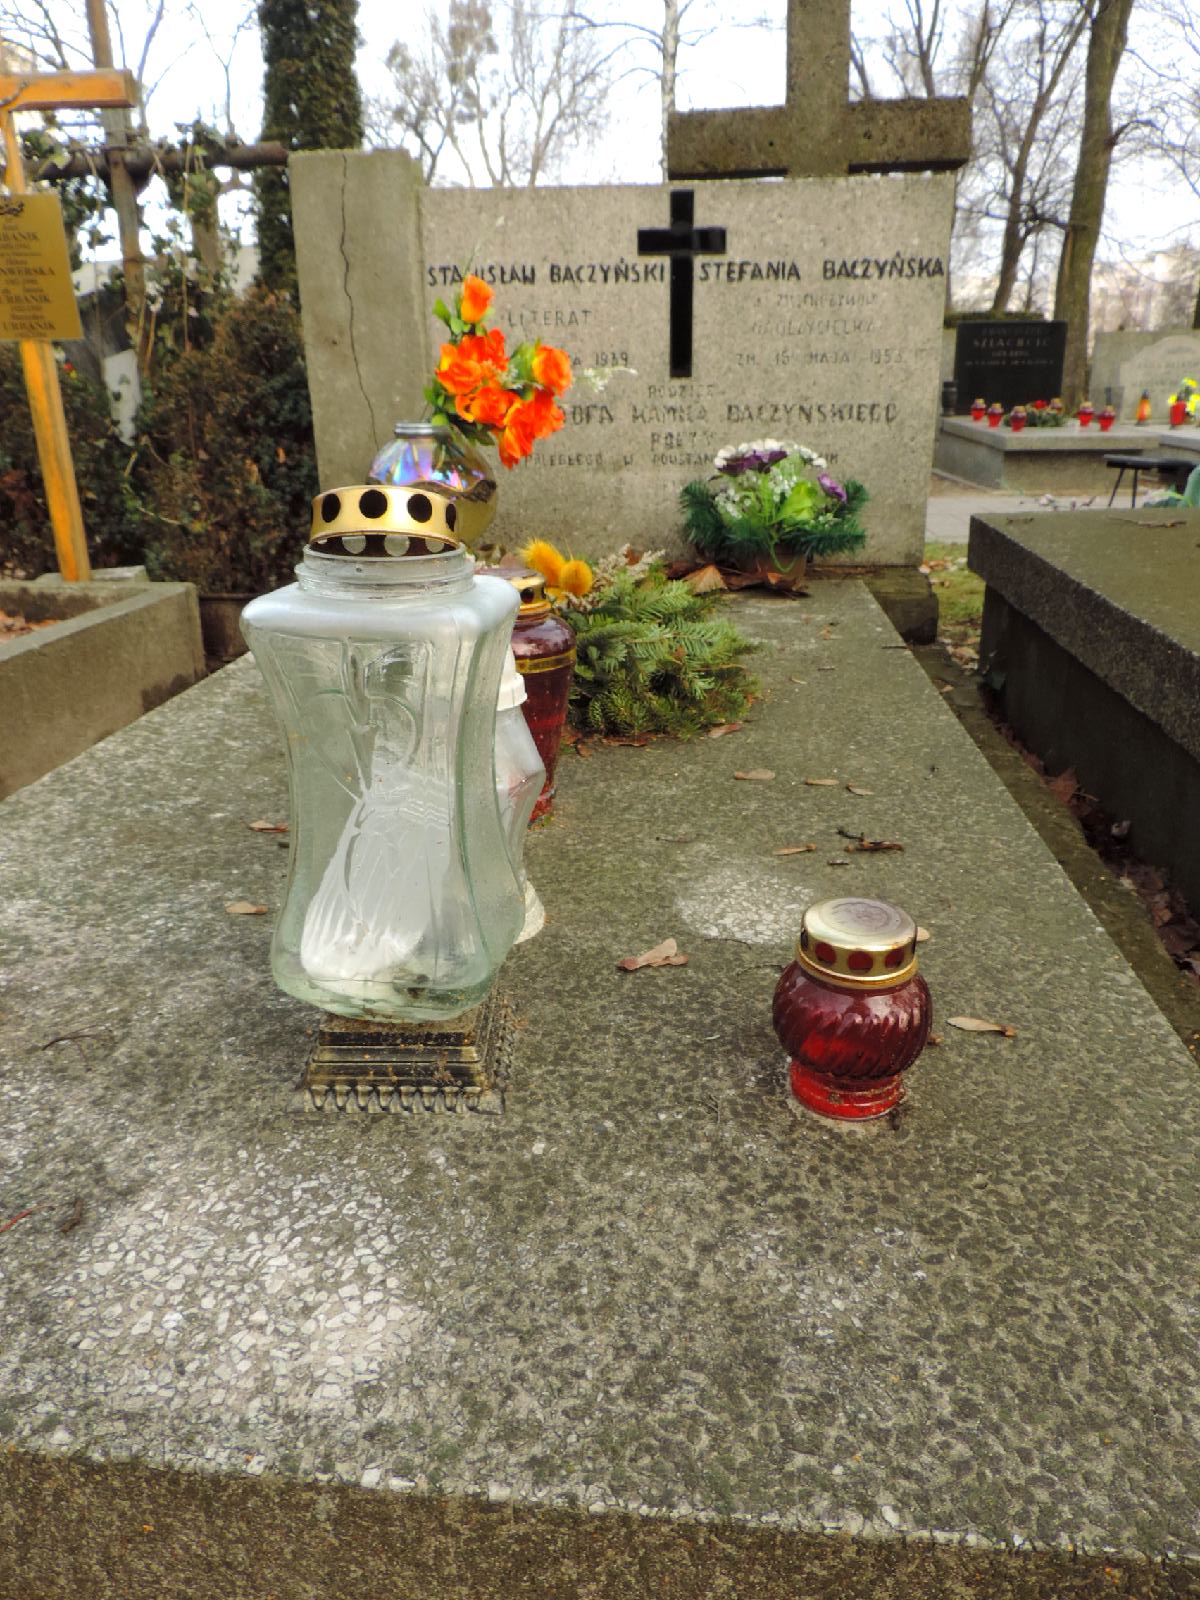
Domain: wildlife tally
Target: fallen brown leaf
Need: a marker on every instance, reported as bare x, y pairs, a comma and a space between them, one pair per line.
827, 633
725, 727
1064, 786
923, 934
854, 788
73, 1218
705, 580
268, 827
821, 783
865, 846
801, 681
19, 1217
978, 1025
665, 954
243, 908
934, 1039
794, 849
756, 775
633, 743
826, 669
838, 861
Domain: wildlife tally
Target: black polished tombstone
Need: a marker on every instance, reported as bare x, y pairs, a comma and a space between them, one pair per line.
1013, 362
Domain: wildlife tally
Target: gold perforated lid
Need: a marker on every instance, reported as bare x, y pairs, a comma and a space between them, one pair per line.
866, 944
374, 519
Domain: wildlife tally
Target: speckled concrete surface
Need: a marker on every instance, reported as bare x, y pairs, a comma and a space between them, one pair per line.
1119, 590
647, 1288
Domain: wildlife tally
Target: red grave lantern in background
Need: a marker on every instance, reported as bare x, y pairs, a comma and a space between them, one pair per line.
852, 1011
544, 647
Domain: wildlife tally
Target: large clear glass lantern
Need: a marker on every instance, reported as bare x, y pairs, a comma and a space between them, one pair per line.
384, 663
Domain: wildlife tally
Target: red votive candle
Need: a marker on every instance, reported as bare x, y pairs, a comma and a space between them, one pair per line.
852, 1011
544, 647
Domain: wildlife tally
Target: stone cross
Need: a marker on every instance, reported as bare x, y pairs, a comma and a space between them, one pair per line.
819, 132
683, 242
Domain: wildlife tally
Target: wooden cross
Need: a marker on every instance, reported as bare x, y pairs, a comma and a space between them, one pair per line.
819, 132
54, 91
683, 242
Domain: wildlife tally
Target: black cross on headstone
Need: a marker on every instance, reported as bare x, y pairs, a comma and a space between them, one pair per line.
683, 243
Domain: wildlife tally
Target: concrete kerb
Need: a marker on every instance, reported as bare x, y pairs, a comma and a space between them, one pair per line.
120, 650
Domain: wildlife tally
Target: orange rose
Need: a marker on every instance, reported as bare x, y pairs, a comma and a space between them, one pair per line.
475, 299
457, 372
489, 405
517, 439
545, 414
552, 368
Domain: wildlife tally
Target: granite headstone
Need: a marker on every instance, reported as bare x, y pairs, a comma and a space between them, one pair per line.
1009, 361
816, 309
1126, 365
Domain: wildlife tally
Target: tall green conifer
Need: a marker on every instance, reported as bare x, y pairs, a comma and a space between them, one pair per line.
311, 101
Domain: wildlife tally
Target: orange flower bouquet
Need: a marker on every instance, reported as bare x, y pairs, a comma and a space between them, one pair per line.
492, 396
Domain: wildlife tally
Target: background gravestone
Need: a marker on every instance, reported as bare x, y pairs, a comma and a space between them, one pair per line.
1126, 364
819, 321
1012, 362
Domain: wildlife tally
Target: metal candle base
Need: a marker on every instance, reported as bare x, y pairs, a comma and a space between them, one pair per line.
461, 1065
846, 1105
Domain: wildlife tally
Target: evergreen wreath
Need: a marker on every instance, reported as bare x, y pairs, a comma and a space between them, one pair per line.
652, 657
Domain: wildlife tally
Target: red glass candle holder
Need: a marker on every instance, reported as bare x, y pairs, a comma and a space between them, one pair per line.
994, 415
979, 411
1086, 413
1178, 414
852, 1011
1018, 418
1106, 419
544, 647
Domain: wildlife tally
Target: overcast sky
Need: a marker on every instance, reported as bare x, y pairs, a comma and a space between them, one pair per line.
733, 66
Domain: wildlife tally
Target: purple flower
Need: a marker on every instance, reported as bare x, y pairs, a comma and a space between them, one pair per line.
752, 461
832, 487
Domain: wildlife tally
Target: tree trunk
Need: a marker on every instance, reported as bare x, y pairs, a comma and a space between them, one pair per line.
670, 53
1106, 45
1014, 235
1196, 311
120, 184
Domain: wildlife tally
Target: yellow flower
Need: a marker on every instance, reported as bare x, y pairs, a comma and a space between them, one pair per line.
562, 576
541, 555
577, 578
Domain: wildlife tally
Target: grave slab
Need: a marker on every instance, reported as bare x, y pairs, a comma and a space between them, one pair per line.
1049, 460
1091, 639
646, 1332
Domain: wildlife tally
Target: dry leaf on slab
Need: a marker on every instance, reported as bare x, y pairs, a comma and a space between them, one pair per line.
705, 580
794, 849
634, 743
821, 783
866, 846
923, 934
725, 727
838, 861
665, 954
978, 1025
934, 1039
854, 788
268, 827
827, 633
826, 669
243, 908
756, 775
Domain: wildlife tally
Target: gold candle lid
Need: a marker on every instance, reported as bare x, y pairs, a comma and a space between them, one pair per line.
531, 586
857, 943
375, 519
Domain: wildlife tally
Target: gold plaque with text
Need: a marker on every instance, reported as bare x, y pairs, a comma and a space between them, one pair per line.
37, 297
